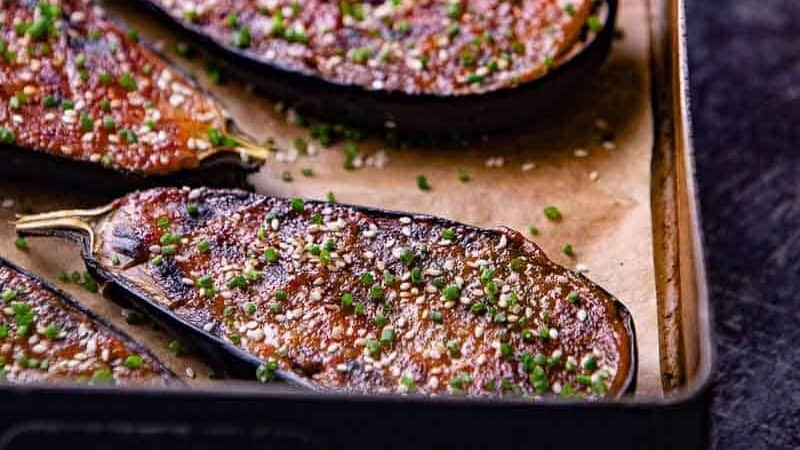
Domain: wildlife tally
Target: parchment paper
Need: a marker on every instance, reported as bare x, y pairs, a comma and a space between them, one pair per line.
602, 190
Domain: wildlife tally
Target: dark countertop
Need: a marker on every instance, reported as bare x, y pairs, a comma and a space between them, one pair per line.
745, 64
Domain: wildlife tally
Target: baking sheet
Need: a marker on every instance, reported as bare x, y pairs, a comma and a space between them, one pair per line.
600, 185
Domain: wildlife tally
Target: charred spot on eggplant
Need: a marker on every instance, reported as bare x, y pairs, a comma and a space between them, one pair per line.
80, 90
47, 337
468, 66
361, 300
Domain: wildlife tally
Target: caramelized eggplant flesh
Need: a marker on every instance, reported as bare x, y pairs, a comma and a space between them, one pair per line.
356, 299
47, 337
469, 66
79, 88
442, 47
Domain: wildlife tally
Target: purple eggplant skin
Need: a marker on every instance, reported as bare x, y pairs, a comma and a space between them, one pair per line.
169, 377
504, 109
224, 359
25, 164
230, 360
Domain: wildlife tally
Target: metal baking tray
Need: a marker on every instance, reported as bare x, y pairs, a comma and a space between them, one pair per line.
276, 416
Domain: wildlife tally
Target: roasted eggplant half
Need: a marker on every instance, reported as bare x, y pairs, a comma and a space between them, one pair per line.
85, 101
47, 337
355, 299
439, 66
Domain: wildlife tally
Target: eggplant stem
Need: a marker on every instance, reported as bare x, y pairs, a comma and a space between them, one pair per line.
245, 147
74, 219
67, 213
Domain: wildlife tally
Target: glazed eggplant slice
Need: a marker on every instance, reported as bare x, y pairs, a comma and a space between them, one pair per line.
355, 299
468, 65
46, 337
80, 94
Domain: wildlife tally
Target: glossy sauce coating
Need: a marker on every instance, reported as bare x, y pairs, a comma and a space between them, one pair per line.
441, 47
75, 85
368, 301
45, 338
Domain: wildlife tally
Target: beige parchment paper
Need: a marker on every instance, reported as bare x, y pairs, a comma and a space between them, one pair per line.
565, 158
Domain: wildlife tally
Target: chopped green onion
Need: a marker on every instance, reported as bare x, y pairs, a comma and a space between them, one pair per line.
416, 275
134, 361
408, 383
102, 376
589, 362
454, 347
451, 293
552, 213
373, 347
297, 205
127, 81
347, 300
387, 335
271, 255
266, 372
21, 244
8, 295
241, 38
422, 183
478, 308
376, 292
204, 246
52, 332
460, 381
367, 278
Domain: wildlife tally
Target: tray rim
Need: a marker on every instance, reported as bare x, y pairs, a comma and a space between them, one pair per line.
704, 379
698, 385
673, 118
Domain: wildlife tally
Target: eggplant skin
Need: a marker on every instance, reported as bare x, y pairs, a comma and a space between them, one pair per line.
504, 108
354, 299
22, 164
79, 87
50, 338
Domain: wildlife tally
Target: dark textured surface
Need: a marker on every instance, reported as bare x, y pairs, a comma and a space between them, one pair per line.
745, 63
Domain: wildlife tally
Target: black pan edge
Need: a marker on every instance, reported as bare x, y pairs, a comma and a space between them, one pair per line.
497, 110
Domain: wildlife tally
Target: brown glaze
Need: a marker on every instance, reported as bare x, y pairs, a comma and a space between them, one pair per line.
441, 47
46, 338
470, 310
75, 85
